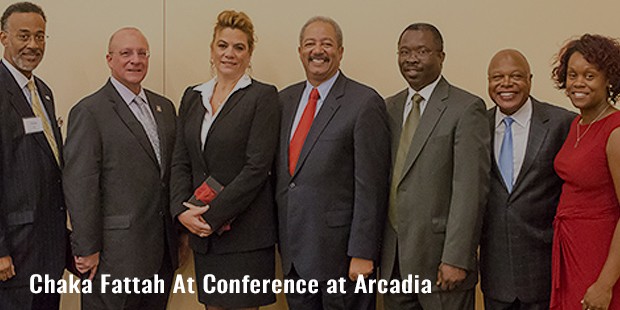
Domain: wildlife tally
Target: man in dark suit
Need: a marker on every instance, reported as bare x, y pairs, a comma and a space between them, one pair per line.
32, 211
118, 152
515, 249
440, 148
333, 173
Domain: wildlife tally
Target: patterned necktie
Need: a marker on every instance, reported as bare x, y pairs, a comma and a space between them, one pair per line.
506, 162
406, 135
37, 108
148, 123
302, 130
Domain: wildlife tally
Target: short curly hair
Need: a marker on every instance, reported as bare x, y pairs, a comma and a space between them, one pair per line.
235, 20
601, 51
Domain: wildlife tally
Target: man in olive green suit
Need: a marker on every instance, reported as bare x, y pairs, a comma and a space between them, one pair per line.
440, 179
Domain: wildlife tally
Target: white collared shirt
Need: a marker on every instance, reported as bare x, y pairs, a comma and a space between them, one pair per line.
520, 135
425, 92
128, 97
323, 90
22, 81
206, 91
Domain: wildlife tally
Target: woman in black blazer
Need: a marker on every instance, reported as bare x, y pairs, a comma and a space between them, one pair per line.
228, 132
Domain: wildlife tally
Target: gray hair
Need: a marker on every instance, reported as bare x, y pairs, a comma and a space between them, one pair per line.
323, 19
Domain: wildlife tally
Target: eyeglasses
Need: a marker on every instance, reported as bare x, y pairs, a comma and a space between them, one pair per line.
421, 52
129, 53
39, 37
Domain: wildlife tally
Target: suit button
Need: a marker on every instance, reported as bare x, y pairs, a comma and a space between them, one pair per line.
163, 184
161, 213
292, 185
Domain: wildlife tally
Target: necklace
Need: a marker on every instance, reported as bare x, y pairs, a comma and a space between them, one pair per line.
580, 136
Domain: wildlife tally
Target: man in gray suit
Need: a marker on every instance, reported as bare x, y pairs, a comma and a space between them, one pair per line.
118, 153
515, 249
333, 173
440, 177
33, 234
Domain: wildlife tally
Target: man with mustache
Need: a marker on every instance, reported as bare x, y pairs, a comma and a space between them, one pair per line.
32, 210
517, 232
440, 178
116, 180
332, 174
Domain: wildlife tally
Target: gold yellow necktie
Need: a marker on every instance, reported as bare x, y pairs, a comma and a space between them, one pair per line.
37, 108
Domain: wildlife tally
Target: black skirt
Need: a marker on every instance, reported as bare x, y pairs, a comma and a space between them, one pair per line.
258, 265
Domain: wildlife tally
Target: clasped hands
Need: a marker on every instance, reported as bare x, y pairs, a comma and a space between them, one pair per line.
597, 297
193, 221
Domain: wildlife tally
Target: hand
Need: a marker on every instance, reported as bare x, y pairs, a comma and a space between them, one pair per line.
88, 263
597, 297
7, 269
448, 276
184, 249
360, 266
193, 221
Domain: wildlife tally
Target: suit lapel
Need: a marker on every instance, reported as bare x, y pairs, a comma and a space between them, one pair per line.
537, 135
193, 125
395, 111
429, 119
494, 167
20, 103
327, 111
130, 120
232, 101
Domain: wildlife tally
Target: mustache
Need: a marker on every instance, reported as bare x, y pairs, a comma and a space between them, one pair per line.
32, 51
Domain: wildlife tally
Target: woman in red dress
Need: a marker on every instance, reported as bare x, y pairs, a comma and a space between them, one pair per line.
586, 245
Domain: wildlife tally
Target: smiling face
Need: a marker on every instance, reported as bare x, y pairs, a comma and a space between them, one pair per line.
320, 52
419, 58
510, 81
128, 58
230, 53
586, 85
24, 41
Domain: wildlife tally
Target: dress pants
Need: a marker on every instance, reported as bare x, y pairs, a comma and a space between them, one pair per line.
492, 304
327, 301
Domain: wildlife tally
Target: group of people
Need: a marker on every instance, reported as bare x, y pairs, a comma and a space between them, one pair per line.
345, 183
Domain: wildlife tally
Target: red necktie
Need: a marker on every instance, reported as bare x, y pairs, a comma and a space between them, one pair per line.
302, 131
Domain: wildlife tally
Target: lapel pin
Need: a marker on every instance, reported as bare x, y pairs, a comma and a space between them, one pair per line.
60, 121
47, 97
158, 108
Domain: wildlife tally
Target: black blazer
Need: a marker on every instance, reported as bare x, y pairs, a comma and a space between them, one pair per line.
239, 154
32, 209
515, 249
334, 206
116, 191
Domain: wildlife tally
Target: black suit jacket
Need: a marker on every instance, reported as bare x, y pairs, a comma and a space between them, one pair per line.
116, 191
239, 153
334, 206
32, 209
515, 249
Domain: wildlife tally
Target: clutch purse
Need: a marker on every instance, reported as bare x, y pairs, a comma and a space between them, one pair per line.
205, 193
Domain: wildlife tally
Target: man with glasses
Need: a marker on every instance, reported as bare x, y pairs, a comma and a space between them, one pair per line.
440, 178
118, 154
32, 211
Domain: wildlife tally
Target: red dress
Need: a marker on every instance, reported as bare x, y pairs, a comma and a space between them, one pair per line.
586, 216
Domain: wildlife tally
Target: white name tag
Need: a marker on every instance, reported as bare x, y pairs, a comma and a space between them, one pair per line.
32, 125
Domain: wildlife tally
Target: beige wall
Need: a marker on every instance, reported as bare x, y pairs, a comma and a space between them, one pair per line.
179, 32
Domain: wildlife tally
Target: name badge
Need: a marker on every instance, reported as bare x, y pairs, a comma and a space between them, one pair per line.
32, 125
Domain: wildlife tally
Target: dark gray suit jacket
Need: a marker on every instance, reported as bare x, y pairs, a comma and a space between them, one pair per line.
334, 206
32, 208
443, 189
116, 192
515, 249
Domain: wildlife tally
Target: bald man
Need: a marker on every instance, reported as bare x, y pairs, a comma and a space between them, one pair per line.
117, 170
515, 249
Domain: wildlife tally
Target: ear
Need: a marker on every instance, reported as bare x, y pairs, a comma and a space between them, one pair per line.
4, 38
108, 59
